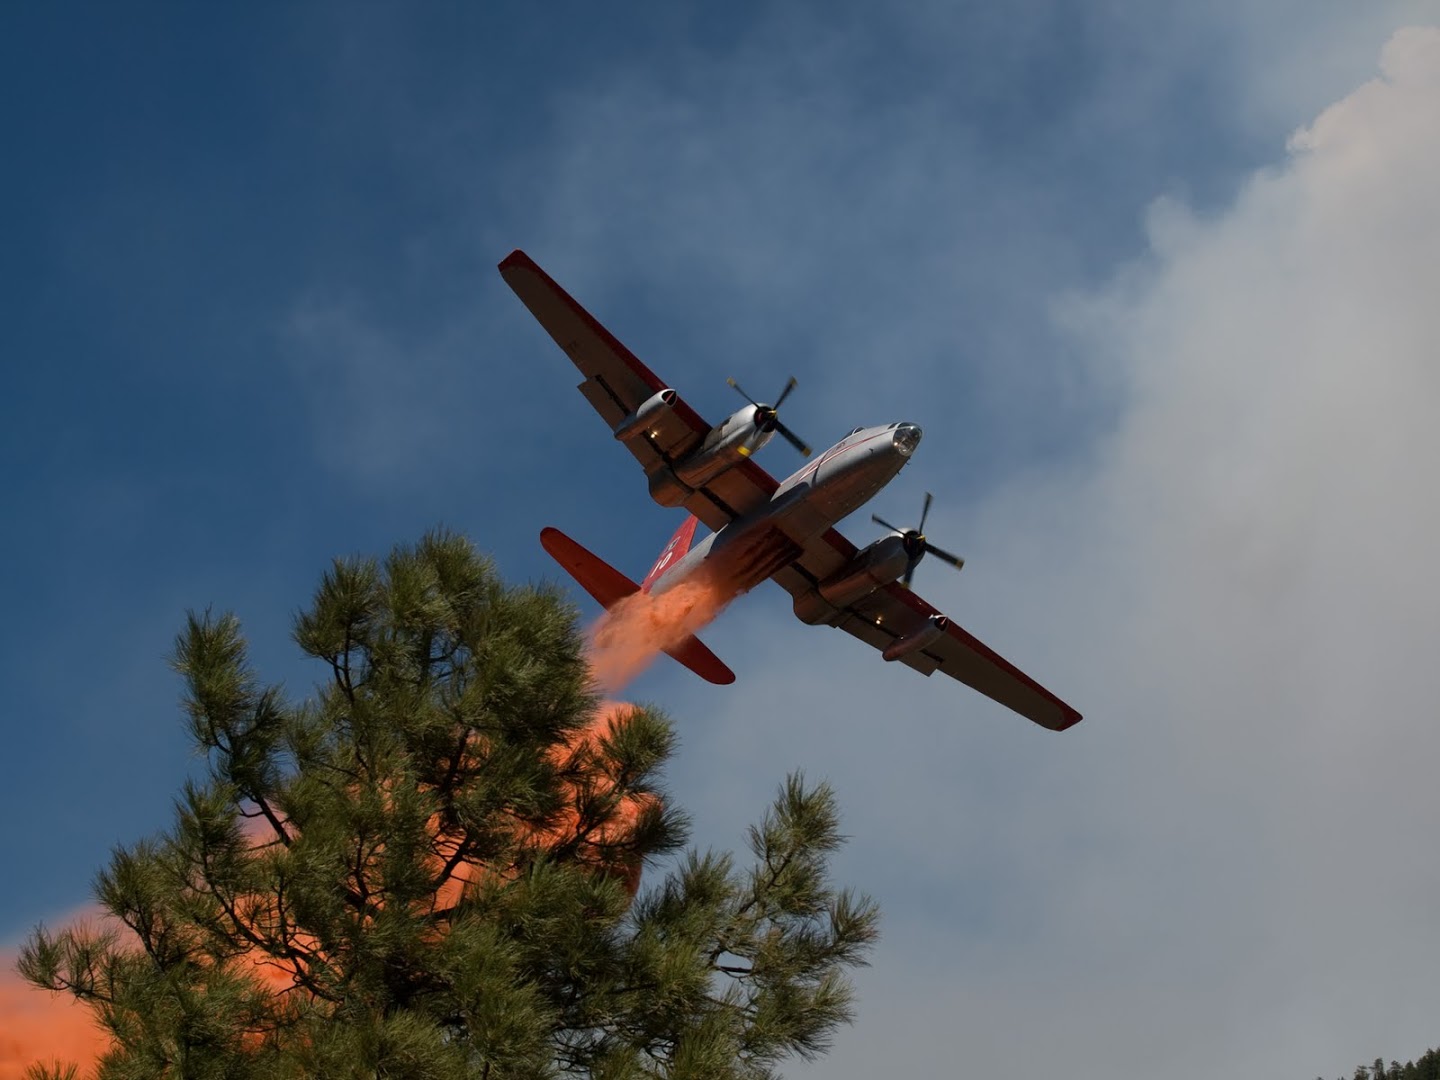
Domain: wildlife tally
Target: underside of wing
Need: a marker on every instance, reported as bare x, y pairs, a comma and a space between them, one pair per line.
652, 421
904, 628
616, 383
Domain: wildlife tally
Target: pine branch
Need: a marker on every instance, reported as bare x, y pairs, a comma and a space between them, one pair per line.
452, 740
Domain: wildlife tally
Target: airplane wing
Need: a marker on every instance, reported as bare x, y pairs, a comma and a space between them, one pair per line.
617, 383
890, 613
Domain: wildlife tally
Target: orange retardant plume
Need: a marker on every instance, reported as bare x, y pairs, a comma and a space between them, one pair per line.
628, 637
36, 1026
593, 851
41, 1027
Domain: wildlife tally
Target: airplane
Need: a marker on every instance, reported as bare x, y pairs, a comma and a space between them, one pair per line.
762, 528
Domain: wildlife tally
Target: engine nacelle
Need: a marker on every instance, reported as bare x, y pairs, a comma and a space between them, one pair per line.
917, 640
726, 446
640, 421
878, 564
666, 490
872, 568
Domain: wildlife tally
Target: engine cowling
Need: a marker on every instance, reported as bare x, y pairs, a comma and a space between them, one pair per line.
640, 421
872, 568
916, 640
878, 564
724, 447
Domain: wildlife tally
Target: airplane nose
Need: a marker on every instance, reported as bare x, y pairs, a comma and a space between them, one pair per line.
907, 438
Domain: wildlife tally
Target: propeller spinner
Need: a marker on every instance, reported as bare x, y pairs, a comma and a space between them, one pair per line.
766, 418
916, 546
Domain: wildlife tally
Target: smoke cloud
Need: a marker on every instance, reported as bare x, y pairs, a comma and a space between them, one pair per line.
43, 1027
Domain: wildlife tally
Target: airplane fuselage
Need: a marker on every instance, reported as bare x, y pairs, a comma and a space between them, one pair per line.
806, 504
763, 529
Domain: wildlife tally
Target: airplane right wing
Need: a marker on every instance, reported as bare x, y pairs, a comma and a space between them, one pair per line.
890, 614
899, 623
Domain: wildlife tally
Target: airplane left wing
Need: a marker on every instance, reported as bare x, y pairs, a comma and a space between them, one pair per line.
617, 384
899, 623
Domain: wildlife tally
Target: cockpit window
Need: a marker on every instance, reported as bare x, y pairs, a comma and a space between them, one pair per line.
855, 431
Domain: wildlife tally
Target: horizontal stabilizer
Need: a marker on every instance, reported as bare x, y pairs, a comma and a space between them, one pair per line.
602, 581
609, 586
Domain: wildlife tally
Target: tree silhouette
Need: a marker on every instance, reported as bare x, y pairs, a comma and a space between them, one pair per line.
430, 866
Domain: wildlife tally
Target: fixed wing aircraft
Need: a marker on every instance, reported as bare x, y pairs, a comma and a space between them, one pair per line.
763, 528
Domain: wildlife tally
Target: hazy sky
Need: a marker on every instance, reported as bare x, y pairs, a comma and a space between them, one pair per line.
1158, 280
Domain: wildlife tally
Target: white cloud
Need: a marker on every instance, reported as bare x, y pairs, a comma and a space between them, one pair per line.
1293, 57
1230, 864
1227, 865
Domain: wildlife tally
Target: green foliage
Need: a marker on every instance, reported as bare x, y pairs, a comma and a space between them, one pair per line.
427, 869
1425, 1067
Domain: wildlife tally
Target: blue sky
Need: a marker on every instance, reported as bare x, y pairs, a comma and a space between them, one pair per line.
255, 322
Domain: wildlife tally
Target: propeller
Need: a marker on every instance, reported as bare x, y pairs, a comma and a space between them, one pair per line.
766, 418
916, 546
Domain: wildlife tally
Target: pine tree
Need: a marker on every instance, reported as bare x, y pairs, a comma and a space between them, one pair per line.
429, 867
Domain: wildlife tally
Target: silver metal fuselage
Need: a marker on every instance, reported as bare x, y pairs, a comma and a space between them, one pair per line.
806, 504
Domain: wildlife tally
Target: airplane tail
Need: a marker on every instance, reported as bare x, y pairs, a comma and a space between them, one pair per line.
609, 586
679, 544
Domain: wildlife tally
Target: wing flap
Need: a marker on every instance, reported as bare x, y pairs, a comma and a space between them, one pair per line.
594, 350
733, 494
892, 612
895, 611
974, 663
617, 383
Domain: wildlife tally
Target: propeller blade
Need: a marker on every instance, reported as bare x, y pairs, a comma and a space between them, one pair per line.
742, 393
943, 555
793, 439
878, 520
765, 418
916, 545
924, 513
